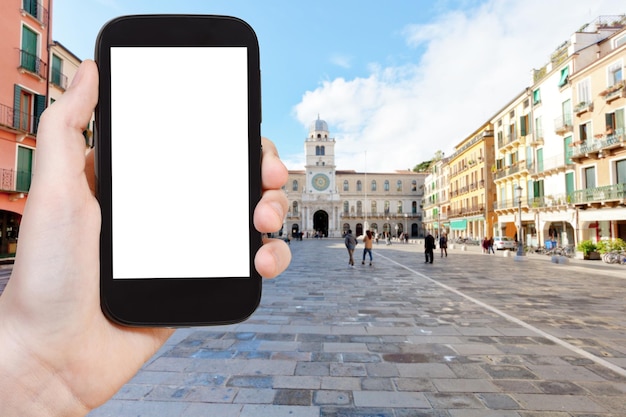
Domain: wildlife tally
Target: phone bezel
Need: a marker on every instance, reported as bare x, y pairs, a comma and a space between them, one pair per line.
176, 301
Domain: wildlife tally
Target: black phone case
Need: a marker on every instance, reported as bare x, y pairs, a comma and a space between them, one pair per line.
178, 301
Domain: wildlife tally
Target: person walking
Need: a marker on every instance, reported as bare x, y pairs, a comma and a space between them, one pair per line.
443, 244
490, 246
351, 243
367, 241
429, 247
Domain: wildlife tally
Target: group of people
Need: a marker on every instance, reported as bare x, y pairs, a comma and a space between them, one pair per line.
487, 245
430, 246
351, 242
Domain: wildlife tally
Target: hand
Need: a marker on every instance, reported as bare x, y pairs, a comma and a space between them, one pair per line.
59, 356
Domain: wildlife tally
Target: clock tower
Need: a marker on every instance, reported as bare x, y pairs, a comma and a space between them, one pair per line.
320, 197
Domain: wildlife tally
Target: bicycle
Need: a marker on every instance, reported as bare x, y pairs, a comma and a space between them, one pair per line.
614, 257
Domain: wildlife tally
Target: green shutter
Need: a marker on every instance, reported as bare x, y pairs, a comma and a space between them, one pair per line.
536, 97
17, 91
523, 125
40, 106
24, 168
569, 184
56, 70
29, 49
30, 6
619, 120
567, 150
540, 160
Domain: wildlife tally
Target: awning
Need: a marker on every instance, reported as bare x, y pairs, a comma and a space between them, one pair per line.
458, 224
564, 75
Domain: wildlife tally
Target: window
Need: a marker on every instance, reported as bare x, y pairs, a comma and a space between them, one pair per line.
359, 208
295, 208
30, 7
57, 72
346, 185
614, 73
387, 207
414, 185
584, 131
615, 122
374, 210
359, 186
386, 185
584, 92
536, 96
346, 207
294, 185
538, 128
414, 207
400, 207
27, 109
523, 124
399, 185
373, 185
29, 59
620, 172
564, 77
590, 177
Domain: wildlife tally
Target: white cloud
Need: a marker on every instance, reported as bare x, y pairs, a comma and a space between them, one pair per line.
474, 62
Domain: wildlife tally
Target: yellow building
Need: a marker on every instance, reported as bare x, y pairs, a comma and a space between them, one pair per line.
469, 186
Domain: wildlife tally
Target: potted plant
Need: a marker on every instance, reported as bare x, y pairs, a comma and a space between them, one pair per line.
588, 248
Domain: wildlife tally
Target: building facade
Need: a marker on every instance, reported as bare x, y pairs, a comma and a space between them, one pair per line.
24, 39
470, 186
325, 201
599, 147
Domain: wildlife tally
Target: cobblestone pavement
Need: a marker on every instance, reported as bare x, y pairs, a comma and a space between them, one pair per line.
470, 335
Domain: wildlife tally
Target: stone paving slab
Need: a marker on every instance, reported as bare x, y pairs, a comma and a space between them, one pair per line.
470, 335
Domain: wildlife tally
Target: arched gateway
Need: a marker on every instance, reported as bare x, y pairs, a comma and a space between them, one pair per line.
320, 222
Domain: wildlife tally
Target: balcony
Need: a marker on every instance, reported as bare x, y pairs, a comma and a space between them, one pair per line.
32, 64
617, 90
516, 169
14, 182
537, 138
59, 79
599, 147
583, 107
551, 202
608, 195
36, 10
563, 124
17, 120
381, 215
466, 211
550, 166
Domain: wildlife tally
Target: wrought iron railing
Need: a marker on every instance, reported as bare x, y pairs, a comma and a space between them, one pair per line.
32, 63
17, 119
15, 181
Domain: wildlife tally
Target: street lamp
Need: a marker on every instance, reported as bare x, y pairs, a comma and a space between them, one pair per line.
520, 239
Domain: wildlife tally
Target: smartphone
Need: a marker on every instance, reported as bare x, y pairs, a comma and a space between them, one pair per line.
178, 169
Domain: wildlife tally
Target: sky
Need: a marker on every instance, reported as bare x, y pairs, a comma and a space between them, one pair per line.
396, 81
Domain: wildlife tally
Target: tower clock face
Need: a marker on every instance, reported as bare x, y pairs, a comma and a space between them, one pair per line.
320, 182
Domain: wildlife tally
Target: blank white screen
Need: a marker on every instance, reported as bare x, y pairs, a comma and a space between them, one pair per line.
179, 156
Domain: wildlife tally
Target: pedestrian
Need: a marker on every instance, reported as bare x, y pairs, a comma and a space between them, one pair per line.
367, 241
388, 238
490, 246
429, 247
350, 241
485, 245
443, 244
